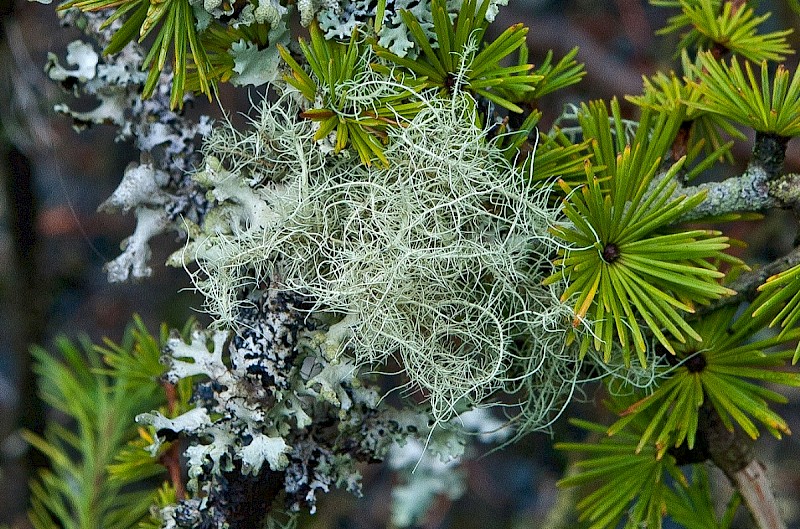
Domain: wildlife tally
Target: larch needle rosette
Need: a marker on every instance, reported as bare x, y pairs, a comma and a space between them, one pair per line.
625, 264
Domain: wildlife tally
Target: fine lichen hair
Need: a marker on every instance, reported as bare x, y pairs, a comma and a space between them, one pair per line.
434, 262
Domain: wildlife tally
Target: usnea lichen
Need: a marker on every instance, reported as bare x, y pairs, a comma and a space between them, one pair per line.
434, 262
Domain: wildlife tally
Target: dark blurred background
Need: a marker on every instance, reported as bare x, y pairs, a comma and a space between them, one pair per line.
53, 244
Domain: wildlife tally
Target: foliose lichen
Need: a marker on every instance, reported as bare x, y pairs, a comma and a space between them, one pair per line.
270, 408
158, 188
339, 18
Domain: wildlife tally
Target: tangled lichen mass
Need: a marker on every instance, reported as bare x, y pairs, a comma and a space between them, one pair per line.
435, 261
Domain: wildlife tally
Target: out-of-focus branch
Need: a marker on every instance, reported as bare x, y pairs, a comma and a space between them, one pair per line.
23, 312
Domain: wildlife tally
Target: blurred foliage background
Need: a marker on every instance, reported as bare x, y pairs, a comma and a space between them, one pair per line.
53, 245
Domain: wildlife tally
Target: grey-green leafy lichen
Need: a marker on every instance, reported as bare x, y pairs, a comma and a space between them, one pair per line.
339, 18
266, 391
157, 188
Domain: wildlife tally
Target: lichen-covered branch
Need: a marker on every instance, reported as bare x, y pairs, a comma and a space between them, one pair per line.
751, 191
747, 192
760, 187
786, 190
158, 185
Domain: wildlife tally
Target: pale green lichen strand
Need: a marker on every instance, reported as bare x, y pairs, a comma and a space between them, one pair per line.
435, 261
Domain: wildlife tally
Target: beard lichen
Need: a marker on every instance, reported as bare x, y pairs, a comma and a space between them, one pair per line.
434, 262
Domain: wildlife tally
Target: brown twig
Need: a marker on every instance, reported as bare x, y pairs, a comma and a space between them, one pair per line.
746, 286
732, 452
171, 459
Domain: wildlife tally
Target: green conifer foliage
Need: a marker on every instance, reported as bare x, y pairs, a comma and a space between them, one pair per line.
113, 482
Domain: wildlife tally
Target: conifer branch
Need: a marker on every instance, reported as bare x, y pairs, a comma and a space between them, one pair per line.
754, 486
762, 185
746, 285
731, 452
